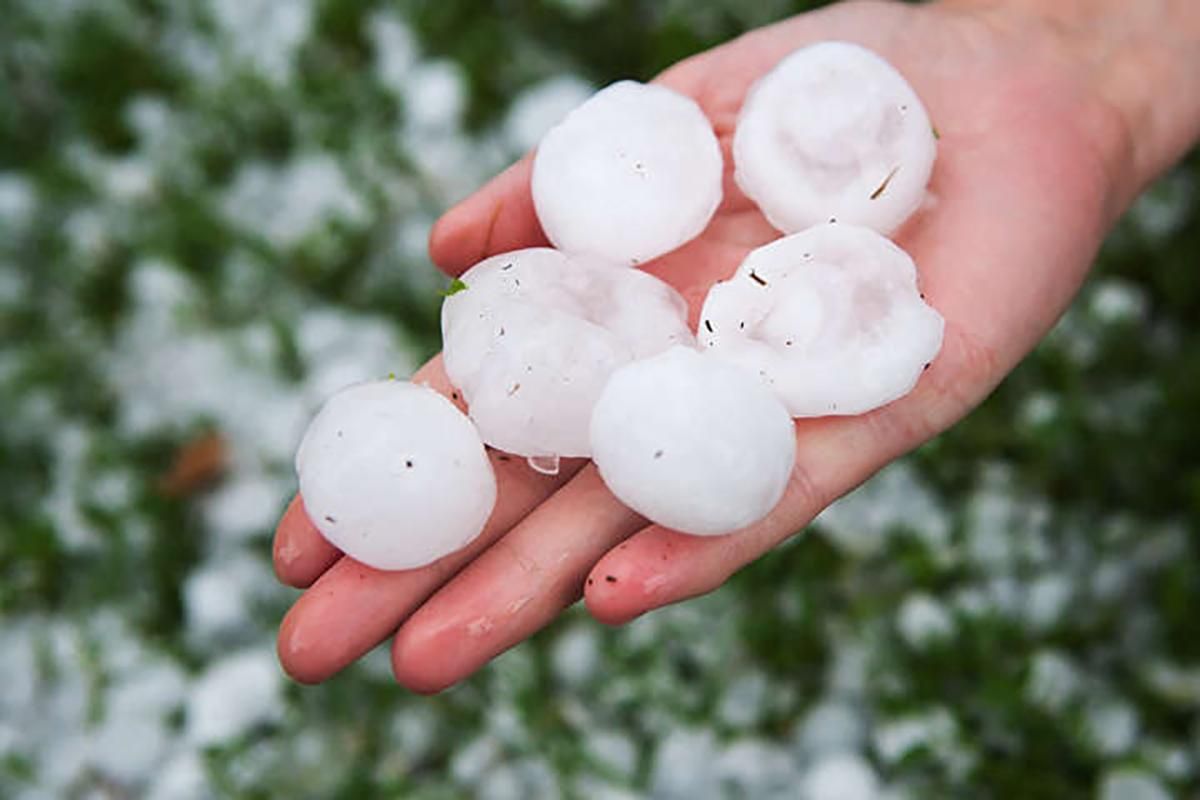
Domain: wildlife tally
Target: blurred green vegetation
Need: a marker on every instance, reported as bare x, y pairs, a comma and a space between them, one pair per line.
1099, 424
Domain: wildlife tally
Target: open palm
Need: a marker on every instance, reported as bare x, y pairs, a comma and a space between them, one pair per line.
1021, 196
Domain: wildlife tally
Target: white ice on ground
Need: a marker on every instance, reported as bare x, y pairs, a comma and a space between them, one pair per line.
74, 531
434, 94
1054, 681
693, 443
631, 174
1131, 783
830, 726
684, 765
934, 729
133, 738
923, 621
161, 370
542, 106
246, 506
533, 338
471, 761
283, 204
831, 319
235, 694
18, 202
394, 475
394, 48
184, 777
834, 132
1046, 601
518, 780
1111, 724
73, 710
219, 595
264, 33
894, 500
340, 349
613, 751
576, 655
755, 768
1115, 301
842, 776
744, 700
1174, 682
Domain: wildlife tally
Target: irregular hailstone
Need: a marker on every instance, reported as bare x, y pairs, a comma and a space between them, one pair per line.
834, 132
533, 338
693, 443
631, 174
830, 318
394, 475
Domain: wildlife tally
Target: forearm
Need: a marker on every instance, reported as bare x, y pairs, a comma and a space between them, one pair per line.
1142, 57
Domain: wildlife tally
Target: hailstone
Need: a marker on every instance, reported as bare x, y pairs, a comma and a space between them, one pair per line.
692, 443
631, 174
394, 475
532, 339
830, 318
834, 132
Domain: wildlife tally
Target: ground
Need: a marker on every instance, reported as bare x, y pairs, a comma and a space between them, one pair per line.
213, 214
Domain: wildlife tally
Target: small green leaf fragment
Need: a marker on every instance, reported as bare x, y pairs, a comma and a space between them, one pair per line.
936, 134
457, 285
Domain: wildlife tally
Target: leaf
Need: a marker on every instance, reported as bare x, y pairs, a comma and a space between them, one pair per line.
457, 285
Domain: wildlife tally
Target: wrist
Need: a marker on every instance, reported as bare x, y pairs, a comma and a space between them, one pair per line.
1139, 62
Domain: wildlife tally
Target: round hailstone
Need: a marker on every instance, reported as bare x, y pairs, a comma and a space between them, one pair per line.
833, 132
692, 443
394, 475
532, 339
830, 318
631, 174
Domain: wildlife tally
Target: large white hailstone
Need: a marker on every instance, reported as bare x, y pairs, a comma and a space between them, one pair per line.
692, 443
631, 174
834, 132
830, 318
532, 339
394, 475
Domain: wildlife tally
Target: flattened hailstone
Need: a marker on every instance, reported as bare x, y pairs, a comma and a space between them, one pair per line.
830, 318
394, 475
631, 174
693, 443
834, 132
533, 338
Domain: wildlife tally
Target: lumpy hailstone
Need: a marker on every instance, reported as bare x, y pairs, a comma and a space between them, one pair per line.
830, 318
533, 338
692, 443
631, 174
834, 132
394, 475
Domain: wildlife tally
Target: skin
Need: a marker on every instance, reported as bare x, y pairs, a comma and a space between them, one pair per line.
1046, 136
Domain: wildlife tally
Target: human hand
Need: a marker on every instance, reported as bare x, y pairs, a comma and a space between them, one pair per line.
1032, 170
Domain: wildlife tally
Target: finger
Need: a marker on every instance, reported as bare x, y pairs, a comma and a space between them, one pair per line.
300, 553
496, 219
657, 566
353, 607
515, 588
